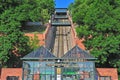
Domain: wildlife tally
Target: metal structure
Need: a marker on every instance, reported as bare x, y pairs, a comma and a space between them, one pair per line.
61, 23
59, 59
60, 17
41, 64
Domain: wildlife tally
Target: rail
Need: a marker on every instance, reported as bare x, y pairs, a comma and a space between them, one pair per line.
63, 34
63, 41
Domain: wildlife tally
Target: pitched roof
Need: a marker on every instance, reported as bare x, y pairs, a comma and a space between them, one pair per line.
41, 52
112, 72
77, 52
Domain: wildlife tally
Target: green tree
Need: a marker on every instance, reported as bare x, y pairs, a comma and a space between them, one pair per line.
44, 16
34, 42
99, 24
14, 13
13, 45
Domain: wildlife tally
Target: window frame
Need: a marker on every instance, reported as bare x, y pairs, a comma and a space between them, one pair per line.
105, 78
12, 78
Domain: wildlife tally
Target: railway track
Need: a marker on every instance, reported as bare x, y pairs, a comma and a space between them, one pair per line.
60, 43
63, 41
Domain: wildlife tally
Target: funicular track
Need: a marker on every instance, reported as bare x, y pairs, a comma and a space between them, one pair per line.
62, 40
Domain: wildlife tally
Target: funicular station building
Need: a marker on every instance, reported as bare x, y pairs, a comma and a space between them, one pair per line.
61, 58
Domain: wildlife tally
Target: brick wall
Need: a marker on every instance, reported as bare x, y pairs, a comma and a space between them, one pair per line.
5, 72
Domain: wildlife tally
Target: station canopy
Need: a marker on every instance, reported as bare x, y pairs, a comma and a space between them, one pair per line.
43, 53
40, 53
61, 10
77, 53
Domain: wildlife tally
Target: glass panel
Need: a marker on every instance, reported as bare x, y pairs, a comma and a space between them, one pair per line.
27, 74
41, 70
38, 70
47, 77
30, 77
102, 78
105, 78
108, 78
42, 77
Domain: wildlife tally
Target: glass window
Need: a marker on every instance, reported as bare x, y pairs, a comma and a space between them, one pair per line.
12, 78
105, 78
84, 75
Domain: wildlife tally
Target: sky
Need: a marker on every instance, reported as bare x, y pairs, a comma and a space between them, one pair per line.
63, 3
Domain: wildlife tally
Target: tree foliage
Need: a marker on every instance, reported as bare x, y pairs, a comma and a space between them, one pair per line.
13, 43
34, 42
99, 24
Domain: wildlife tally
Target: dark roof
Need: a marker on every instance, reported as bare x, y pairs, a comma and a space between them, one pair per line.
40, 53
76, 53
61, 10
